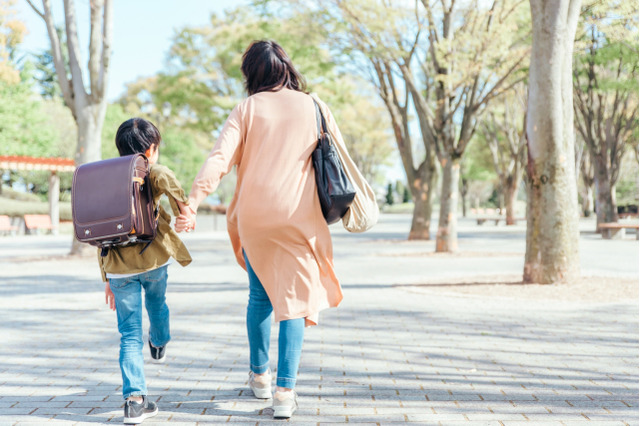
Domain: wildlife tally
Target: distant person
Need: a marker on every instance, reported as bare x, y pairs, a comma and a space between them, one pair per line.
275, 222
127, 270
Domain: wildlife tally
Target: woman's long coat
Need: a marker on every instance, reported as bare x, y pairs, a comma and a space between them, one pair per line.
275, 214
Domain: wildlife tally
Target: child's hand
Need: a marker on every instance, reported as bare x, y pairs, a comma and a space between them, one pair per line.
108, 297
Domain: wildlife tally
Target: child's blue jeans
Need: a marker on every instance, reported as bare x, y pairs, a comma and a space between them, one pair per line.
290, 337
127, 294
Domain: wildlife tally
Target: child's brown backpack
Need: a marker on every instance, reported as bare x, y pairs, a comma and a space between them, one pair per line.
112, 203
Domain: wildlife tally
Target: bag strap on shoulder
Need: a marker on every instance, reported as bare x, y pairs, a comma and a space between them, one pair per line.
320, 122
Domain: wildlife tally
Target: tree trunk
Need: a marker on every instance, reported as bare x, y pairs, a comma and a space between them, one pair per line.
464, 189
447, 237
54, 202
422, 189
587, 201
510, 194
89, 148
552, 208
606, 208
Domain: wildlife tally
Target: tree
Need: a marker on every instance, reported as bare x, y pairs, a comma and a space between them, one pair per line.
203, 82
389, 198
585, 178
383, 38
364, 126
605, 81
24, 128
86, 99
503, 131
474, 51
46, 69
552, 210
12, 31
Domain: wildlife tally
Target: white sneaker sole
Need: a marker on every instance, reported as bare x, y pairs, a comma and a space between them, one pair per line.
139, 419
283, 412
159, 361
261, 393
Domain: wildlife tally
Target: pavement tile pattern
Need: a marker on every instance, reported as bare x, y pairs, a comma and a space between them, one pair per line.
391, 353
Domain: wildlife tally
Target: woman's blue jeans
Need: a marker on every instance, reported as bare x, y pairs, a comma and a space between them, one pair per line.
259, 312
127, 294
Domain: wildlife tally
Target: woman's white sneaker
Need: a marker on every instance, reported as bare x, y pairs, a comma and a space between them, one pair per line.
284, 404
260, 385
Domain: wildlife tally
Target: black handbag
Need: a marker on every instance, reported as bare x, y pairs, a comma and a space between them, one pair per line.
335, 191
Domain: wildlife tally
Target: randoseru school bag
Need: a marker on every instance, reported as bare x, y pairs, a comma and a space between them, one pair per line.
112, 203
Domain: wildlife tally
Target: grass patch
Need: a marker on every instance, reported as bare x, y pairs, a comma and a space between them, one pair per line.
18, 208
398, 208
19, 196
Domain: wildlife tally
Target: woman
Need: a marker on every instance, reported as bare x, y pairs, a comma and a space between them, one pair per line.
275, 222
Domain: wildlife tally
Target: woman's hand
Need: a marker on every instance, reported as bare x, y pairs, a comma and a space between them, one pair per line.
109, 298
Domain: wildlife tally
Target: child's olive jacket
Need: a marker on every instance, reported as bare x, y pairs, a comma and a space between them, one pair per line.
166, 244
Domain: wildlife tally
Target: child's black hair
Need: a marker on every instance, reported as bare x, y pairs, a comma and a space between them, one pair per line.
136, 135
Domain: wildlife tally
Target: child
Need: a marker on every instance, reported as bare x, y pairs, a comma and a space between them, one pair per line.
126, 271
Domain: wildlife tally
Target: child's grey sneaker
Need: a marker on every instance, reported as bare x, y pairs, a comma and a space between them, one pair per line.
284, 404
157, 354
135, 412
260, 385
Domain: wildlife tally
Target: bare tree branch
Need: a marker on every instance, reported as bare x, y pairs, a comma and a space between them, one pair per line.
106, 47
95, 44
36, 10
58, 58
73, 46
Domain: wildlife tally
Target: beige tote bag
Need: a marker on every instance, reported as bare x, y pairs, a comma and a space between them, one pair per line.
364, 211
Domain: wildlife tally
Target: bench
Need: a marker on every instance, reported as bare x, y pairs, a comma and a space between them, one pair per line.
6, 226
35, 222
496, 219
628, 215
482, 220
613, 229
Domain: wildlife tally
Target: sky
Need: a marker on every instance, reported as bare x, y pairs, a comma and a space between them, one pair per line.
142, 31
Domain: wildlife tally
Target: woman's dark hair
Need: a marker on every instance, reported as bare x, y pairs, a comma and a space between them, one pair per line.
266, 67
136, 135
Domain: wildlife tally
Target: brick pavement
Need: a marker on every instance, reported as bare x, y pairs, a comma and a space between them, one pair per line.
392, 353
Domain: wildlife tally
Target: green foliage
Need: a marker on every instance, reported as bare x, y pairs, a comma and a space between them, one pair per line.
364, 125
606, 85
203, 82
18, 196
179, 151
11, 32
477, 163
389, 197
16, 208
114, 117
403, 191
627, 186
23, 125
406, 195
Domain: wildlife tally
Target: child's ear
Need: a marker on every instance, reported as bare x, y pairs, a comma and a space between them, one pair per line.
148, 153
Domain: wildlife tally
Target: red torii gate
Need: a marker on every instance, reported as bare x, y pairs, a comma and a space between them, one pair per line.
54, 165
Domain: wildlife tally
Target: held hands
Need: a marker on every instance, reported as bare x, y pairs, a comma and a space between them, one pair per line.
186, 221
108, 297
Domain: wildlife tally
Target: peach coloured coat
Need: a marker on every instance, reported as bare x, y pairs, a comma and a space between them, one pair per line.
275, 213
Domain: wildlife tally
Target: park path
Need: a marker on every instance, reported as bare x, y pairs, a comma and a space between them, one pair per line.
393, 352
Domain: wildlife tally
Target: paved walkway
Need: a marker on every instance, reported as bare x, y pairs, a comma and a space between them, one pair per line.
392, 352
